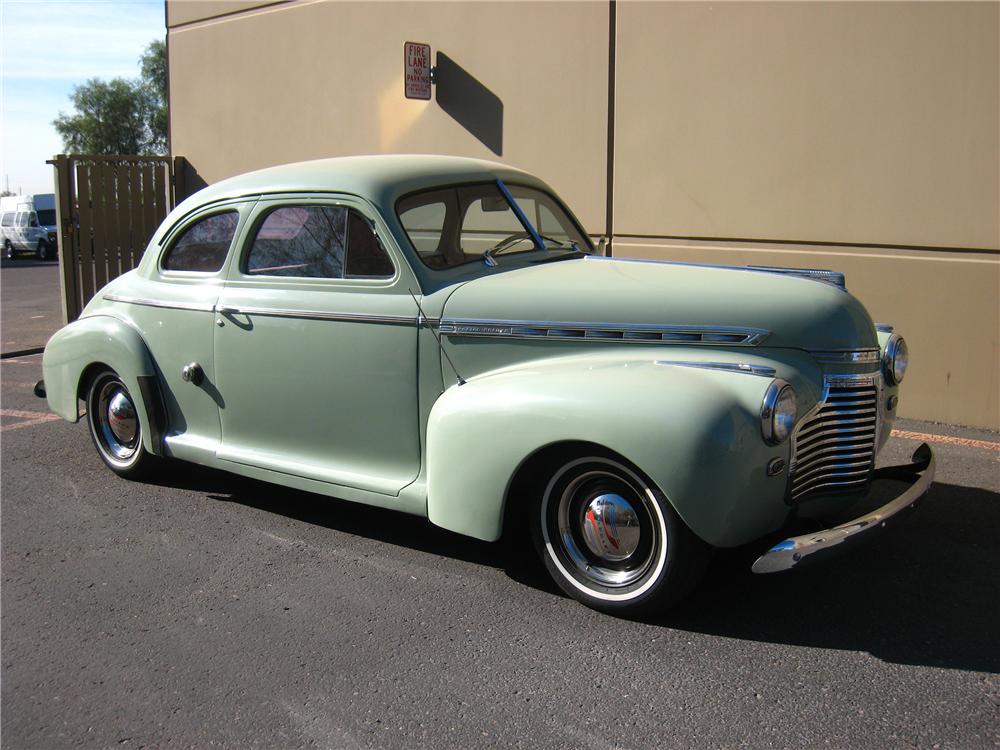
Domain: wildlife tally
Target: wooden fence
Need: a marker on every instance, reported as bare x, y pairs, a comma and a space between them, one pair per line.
108, 208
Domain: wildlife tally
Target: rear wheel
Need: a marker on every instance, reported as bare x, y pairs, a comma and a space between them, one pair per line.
8, 250
115, 427
610, 539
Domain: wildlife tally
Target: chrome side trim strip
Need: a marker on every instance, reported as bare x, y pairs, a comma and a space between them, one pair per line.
847, 356
197, 306
318, 315
727, 366
627, 333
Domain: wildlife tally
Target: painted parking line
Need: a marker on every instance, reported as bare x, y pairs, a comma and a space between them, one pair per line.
927, 437
32, 418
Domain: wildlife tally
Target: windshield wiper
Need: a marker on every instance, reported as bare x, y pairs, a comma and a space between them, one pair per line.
489, 256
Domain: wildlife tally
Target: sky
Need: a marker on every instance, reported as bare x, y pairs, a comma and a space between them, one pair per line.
46, 48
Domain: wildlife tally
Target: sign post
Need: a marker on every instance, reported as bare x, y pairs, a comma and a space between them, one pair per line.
417, 70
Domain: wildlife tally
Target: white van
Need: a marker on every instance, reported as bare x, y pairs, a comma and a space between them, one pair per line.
28, 225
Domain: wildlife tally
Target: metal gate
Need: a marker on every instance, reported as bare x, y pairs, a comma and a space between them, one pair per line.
107, 208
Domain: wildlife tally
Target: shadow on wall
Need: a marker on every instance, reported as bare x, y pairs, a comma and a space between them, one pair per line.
188, 181
470, 103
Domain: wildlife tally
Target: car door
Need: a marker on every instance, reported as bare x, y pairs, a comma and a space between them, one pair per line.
316, 347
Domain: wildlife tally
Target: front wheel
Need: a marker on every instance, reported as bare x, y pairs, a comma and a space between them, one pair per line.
115, 427
610, 539
42, 251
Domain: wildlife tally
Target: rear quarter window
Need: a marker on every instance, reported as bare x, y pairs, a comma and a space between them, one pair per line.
203, 245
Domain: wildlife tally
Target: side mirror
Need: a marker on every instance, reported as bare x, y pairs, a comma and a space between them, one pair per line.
602, 246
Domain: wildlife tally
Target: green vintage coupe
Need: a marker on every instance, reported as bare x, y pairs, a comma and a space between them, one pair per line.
438, 335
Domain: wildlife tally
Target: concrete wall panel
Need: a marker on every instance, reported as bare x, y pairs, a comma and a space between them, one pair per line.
307, 80
190, 11
831, 122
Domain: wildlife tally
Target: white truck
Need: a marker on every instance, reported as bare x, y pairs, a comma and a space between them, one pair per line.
28, 225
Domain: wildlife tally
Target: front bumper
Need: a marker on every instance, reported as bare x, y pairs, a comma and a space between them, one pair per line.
809, 548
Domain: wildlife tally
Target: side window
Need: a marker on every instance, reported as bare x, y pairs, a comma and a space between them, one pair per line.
318, 242
22, 219
203, 246
7, 220
366, 258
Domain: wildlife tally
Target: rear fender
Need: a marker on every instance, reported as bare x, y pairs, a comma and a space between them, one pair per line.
694, 432
92, 342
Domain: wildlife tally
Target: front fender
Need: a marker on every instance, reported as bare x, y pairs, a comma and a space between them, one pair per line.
694, 432
100, 340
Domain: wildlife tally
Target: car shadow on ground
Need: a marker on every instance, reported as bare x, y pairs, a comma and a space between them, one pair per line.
924, 593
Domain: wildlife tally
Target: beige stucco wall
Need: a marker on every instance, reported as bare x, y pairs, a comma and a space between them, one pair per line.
832, 122
798, 133
312, 79
189, 11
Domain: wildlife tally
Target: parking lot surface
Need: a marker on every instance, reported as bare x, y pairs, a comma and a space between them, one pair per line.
206, 610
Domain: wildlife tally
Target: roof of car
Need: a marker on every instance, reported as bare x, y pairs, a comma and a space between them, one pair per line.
384, 177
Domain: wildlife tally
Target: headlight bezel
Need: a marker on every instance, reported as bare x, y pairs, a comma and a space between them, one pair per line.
896, 349
773, 431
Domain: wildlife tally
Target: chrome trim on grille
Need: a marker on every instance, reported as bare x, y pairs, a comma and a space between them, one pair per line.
318, 315
727, 366
628, 333
196, 306
833, 446
847, 356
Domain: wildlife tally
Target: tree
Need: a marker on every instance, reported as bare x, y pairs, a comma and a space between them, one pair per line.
153, 66
120, 116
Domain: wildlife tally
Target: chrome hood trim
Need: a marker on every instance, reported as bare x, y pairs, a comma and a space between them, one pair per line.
847, 356
604, 332
825, 276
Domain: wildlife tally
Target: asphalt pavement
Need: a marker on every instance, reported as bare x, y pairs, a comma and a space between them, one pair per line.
207, 610
30, 309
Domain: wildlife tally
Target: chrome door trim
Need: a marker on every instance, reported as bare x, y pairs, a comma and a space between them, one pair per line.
274, 312
169, 305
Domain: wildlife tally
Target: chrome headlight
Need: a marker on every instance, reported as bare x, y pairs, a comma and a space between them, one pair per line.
895, 359
777, 413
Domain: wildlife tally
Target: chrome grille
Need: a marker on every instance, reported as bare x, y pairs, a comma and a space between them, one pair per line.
833, 449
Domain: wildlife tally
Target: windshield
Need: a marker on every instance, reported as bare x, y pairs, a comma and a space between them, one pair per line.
452, 226
47, 217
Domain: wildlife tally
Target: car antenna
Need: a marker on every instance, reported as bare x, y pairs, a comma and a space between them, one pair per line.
424, 319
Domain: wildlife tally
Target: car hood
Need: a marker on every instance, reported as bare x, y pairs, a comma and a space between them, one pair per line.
797, 312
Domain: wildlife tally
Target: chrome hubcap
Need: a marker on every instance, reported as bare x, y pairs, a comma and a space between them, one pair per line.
121, 418
611, 528
604, 526
118, 425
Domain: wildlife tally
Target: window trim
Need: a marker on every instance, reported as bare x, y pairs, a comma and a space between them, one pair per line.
459, 185
180, 229
270, 204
